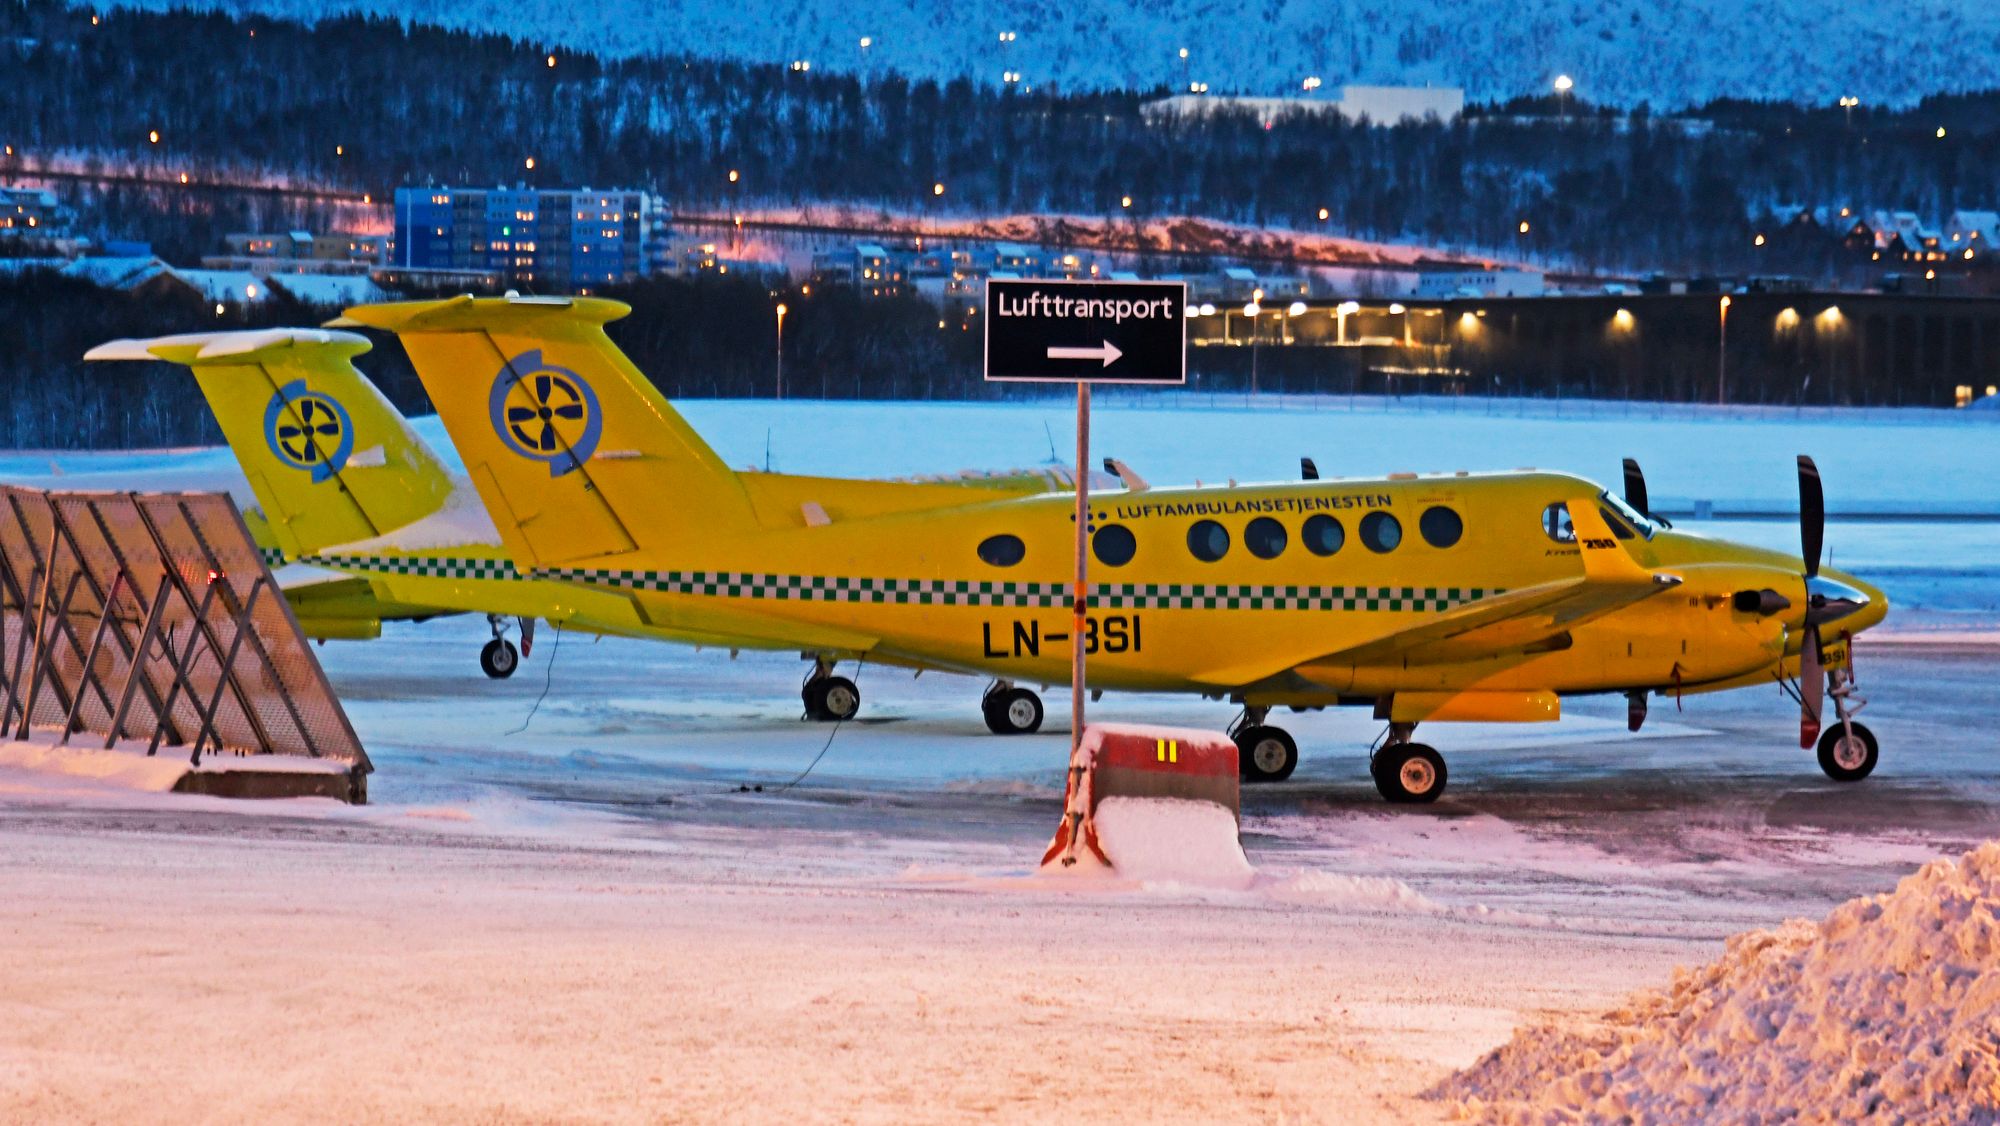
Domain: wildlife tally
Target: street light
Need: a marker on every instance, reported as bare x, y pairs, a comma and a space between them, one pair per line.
781, 349
1563, 85
1722, 354
1847, 104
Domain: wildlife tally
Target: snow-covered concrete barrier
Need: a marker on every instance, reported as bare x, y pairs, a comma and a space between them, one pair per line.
1889, 1010
1152, 803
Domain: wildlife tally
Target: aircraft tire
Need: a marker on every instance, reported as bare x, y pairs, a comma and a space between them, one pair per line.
1845, 760
1266, 754
831, 699
1409, 773
499, 659
1016, 711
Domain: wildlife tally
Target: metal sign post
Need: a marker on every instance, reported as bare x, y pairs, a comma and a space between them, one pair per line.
1077, 597
1084, 332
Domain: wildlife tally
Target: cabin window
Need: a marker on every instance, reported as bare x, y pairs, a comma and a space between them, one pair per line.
1556, 524
1114, 545
1265, 538
1322, 535
1381, 532
1441, 527
1208, 541
1002, 550
1618, 527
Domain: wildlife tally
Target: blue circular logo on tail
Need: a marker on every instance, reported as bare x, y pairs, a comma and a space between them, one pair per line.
545, 413
308, 430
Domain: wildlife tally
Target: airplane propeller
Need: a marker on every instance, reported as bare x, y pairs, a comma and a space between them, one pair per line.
1812, 538
1635, 488
1827, 600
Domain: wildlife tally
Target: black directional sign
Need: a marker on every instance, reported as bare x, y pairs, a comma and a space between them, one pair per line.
1086, 331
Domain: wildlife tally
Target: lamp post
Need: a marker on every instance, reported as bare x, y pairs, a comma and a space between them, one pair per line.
781, 350
1722, 353
1563, 85
1250, 312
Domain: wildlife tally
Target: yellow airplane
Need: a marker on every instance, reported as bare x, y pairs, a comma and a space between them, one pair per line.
1462, 597
373, 525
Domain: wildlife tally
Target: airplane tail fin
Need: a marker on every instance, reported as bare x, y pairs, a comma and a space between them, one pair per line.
575, 453
329, 459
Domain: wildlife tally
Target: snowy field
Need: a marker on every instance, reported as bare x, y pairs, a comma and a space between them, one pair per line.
571, 900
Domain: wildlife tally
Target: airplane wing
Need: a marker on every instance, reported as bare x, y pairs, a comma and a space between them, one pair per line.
1513, 622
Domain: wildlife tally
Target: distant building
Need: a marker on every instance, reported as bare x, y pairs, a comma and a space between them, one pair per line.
548, 240
33, 213
1971, 233
1379, 105
1439, 284
300, 252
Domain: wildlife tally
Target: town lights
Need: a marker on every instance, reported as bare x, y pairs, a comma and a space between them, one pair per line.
1252, 309
1207, 309
1622, 320
153, 136
1396, 309
1523, 228
1310, 84
1564, 83
1323, 213
1788, 319
552, 62
1758, 241
867, 41
1296, 308
1348, 308
1009, 36
937, 189
732, 175
530, 162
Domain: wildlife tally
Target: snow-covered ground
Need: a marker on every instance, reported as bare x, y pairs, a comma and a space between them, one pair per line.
587, 893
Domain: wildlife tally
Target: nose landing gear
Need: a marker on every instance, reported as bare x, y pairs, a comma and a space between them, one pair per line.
1847, 750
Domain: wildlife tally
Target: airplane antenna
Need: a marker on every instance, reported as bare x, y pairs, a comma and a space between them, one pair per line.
1053, 459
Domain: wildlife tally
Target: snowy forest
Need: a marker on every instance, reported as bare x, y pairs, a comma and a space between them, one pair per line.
364, 104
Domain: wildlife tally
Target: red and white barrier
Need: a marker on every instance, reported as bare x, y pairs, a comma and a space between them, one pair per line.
1152, 803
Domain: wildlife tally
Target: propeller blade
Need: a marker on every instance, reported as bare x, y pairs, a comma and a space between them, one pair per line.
1635, 488
1812, 688
1812, 514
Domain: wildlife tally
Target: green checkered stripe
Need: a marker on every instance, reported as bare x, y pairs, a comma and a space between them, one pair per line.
436, 567
947, 592
273, 557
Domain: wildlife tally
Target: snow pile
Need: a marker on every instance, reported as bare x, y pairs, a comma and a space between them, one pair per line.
1890, 1008
1172, 840
1337, 889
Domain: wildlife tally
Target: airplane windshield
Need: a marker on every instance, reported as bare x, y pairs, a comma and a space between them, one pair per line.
1647, 527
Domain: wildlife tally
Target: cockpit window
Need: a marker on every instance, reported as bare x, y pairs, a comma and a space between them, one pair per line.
1629, 515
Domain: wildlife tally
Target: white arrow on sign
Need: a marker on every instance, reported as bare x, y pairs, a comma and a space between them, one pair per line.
1108, 353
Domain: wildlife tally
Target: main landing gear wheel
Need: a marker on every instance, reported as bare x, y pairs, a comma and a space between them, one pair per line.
499, 658
1408, 773
1012, 711
1845, 757
831, 699
1266, 754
